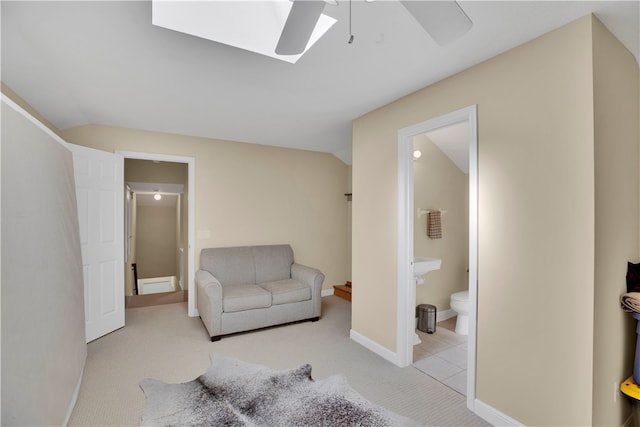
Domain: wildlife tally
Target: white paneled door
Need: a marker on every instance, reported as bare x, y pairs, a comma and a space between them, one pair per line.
100, 193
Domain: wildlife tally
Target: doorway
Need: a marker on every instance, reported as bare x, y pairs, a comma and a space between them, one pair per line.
441, 189
406, 286
187, 198
156, 232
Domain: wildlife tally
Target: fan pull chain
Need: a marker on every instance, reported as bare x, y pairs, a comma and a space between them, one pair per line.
350, 33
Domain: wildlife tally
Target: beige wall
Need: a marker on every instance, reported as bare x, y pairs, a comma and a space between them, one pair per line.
43, 324
136, 170
616, 213
440, 184
250, 194
536, 222
156, 244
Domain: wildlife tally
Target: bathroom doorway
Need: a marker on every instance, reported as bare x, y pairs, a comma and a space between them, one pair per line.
440, 230
407, 213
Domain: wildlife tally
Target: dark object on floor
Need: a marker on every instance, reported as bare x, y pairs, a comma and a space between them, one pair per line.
219, 337
134, 268
343, 291
427, 318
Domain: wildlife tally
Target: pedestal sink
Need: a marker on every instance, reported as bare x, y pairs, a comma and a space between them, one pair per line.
423, 265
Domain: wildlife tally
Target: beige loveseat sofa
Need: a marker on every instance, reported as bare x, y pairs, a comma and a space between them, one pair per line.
252, 287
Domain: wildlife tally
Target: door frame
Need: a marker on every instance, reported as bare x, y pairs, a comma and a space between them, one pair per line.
191, 215
406, 293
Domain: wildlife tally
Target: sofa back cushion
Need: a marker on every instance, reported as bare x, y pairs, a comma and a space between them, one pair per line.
272, 262
231, 266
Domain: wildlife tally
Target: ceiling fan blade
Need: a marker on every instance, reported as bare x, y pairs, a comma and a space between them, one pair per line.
445, 21
302, 20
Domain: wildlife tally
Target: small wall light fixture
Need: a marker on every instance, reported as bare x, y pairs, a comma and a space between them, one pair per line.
417, 154
157, 196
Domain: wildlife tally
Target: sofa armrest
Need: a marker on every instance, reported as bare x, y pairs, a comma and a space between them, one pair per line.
312, 277
209, 301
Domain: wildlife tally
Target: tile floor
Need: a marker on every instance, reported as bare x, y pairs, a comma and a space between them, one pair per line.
443, 356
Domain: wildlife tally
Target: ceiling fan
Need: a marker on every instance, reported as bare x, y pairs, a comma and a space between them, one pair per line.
444, 21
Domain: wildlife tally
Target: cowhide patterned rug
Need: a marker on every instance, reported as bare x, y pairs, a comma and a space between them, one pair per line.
236, 393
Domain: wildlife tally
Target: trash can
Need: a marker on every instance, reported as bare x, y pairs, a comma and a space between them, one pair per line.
427, 318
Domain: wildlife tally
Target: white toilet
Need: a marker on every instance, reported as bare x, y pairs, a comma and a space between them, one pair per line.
460, 304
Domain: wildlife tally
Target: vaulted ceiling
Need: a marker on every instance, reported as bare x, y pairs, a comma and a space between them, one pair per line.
88, 62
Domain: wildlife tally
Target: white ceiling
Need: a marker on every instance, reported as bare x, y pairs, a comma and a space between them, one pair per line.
84, 62
146, 190
167, 200
453, 140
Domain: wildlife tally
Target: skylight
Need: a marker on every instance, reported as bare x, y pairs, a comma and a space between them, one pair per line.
250, 25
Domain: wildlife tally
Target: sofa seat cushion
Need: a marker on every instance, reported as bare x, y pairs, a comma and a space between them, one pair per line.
287, 291
244, 297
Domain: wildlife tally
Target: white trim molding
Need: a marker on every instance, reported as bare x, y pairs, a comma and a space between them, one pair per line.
369, 344
191, 216
493, 416
444, 315
327, 292
406, 297
11, 103
76, 393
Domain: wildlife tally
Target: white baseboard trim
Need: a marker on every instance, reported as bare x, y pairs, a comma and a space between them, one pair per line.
327, 292
445, 314
381, 351
484, 411
76, 392
493, 416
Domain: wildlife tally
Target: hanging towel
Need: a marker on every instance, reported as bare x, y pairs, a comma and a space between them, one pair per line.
630, 302
434, 225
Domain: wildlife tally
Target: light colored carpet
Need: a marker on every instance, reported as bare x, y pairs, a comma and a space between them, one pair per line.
161, 342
